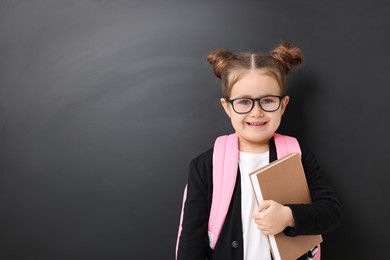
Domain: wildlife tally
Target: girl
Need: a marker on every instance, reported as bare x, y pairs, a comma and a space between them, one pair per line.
254, 90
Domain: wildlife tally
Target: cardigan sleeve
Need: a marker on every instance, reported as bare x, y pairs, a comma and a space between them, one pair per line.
324, 214
193, 240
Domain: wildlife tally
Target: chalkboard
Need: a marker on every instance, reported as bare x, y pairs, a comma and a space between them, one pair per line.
104, 103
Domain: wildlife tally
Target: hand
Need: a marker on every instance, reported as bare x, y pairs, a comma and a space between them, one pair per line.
272, 218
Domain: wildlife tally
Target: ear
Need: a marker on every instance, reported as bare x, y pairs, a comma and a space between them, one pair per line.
226, 106
284, 103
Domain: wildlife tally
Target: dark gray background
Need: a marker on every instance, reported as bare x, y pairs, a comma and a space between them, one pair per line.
104, 103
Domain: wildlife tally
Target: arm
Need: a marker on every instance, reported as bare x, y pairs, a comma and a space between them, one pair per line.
193, 241
324, 214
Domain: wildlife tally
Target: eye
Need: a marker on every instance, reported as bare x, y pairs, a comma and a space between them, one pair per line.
268, 100
243, 102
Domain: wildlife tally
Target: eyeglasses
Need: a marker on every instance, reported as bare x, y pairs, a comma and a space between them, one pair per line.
245, 105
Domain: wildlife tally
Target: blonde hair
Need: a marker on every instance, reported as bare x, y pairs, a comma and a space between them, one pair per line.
231, 67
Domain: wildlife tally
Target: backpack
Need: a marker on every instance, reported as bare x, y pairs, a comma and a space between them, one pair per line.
225, 168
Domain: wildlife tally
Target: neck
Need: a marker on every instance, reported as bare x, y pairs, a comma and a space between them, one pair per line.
253, 147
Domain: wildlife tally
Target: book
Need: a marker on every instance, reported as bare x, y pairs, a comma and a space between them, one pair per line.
284, 181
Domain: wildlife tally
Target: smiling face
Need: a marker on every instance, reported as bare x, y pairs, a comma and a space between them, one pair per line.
257, 127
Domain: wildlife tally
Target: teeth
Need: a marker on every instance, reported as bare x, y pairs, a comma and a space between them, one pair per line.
256, 124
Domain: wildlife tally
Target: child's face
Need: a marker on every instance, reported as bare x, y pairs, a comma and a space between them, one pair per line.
257, 127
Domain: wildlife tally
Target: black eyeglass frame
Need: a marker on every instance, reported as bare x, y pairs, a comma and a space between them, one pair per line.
253, 103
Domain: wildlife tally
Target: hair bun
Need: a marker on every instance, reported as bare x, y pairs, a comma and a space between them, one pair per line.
288, 55
219, 59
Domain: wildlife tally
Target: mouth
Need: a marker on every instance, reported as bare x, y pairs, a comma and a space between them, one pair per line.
256, 123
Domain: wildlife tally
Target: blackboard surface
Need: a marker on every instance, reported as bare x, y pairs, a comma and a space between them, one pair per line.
104, 103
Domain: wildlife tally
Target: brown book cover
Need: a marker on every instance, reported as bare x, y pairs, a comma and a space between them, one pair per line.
284, 181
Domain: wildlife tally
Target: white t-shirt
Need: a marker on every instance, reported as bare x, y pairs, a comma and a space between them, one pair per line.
256, 246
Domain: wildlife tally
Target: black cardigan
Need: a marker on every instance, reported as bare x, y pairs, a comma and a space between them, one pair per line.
323, 215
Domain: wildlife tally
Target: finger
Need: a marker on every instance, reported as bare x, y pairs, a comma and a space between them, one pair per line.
263, 205
258, 220
263, 230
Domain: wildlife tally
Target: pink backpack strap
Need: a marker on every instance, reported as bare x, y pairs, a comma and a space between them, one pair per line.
285, 145
225, 167
181, 220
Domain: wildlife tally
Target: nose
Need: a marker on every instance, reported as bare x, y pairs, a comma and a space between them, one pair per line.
257, 110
